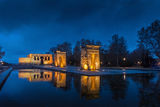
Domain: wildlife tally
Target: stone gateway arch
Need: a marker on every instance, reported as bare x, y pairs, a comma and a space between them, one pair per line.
90, 58
60, 59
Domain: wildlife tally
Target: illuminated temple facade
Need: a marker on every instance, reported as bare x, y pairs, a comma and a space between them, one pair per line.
37, 59
90, 58
60, 59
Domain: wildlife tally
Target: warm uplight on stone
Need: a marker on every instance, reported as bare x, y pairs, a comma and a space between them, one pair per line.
90, 58
60, 59
90, 86
85, 67
36, 76
37, 59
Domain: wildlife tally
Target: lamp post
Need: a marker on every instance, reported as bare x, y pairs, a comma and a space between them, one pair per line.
124, 60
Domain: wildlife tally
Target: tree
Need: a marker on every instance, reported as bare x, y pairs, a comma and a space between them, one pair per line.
53, 49
141, 56
64, 47
2, 53
85, 42
117, 50
77, 54
150, 38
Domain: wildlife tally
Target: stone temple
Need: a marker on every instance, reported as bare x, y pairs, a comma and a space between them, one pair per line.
90, 58
60, 59
37, 59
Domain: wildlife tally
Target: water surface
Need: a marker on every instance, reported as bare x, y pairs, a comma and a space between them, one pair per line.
42, 88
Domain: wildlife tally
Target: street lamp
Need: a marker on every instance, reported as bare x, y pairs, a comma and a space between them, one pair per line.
1, 62
124, 59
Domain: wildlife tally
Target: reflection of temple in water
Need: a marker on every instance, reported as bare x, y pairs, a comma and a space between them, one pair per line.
60, 79
118, 85
90, 86
60, 59
37, 75
90, 58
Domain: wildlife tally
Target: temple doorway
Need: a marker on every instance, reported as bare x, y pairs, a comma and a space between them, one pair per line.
93, 62
60, 62
42, 62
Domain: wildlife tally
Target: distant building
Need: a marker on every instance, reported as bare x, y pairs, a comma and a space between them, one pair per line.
37, 59
90, 58
60, 59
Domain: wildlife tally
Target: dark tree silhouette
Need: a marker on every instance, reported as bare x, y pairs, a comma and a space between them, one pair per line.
150, 37
64, 47
141, 56
2, 53
117, 51
119, 88
76, 54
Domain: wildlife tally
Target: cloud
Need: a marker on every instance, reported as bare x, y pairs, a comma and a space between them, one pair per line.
36, 25
16, 13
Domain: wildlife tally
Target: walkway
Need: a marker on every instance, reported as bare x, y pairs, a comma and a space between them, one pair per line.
103, 71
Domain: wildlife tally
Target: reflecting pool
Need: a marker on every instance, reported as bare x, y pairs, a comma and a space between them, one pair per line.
42, 88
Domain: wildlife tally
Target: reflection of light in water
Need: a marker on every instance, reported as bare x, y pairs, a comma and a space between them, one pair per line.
90, 86
85, 67
37, 75
124, 75
123, 69
60, 79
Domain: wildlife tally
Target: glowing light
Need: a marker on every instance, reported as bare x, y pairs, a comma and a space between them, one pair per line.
85, 67
139, 62
61, 65
55, 63
2, 63
93, 62
124, 59
124, 75
97, 64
